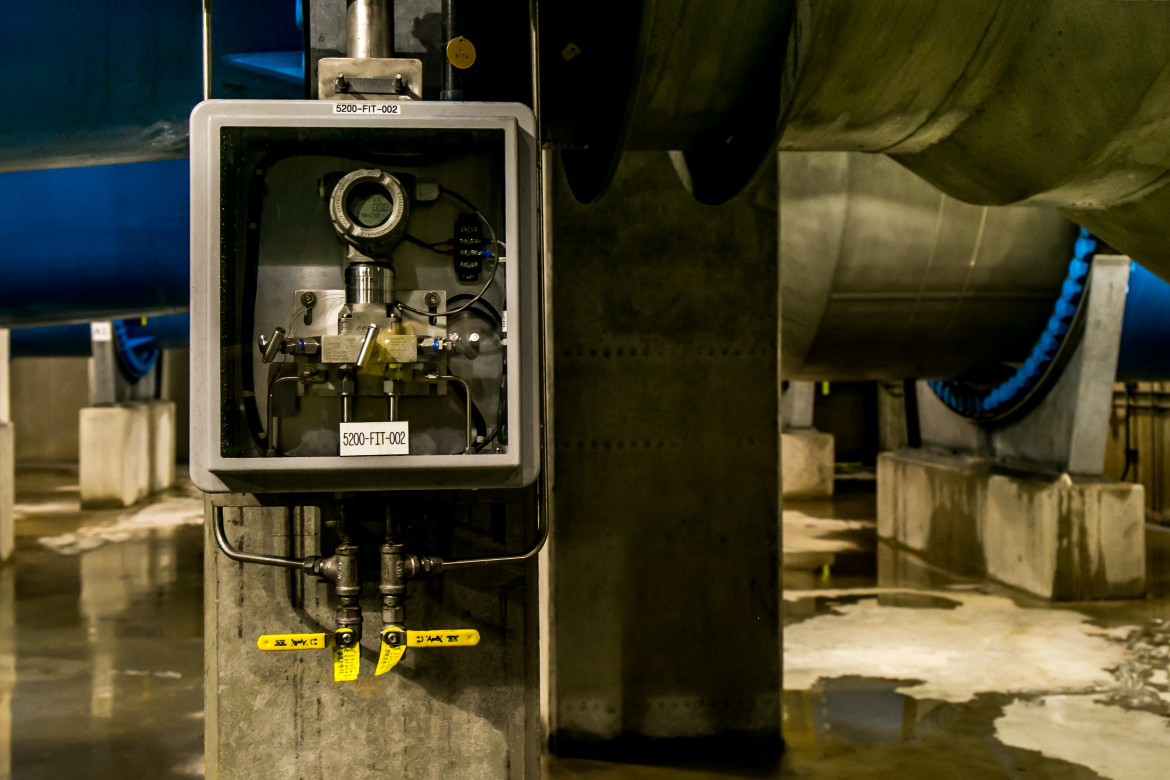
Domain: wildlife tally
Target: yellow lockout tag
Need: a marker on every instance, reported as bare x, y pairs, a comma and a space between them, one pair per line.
459, 637
461, 53
292, 642
346, 661
390, 656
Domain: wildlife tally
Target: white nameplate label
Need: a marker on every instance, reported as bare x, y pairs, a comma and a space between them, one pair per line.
100, 331
367, 108
375, 438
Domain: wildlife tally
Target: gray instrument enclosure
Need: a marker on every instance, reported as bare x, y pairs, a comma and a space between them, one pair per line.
274, 229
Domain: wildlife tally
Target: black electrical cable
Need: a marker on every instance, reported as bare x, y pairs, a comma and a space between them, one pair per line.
481, 314
488, 440
492, 311
491, 277
461, 199
429, 247
457, 197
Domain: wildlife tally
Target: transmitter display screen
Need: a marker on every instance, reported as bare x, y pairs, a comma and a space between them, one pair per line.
369, 205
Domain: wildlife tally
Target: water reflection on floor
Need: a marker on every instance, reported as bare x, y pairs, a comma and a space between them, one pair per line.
893, 669
101, 622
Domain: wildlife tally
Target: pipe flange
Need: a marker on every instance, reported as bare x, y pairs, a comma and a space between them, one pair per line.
369, 209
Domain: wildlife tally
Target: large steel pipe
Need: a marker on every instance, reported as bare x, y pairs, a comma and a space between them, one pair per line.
993, 101
885, 277
689, 75
1066, 104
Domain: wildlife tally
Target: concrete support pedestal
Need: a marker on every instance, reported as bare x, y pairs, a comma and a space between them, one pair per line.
807, 463
162, 444
449, 714
1058, 539
127, 452
114, 463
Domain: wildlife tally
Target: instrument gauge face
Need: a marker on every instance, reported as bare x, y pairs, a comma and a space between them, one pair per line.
369, 210
369, 204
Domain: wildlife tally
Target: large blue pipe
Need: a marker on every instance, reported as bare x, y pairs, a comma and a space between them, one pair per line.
96, 243
1144, 353
1145, 331
111, 241
170, 331
90, 83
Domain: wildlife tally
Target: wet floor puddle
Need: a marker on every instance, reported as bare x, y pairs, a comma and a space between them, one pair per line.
901, 683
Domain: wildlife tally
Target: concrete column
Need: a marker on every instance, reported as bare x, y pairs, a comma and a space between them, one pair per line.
665, 569
115, 456
7, 455
454, 714
104, 386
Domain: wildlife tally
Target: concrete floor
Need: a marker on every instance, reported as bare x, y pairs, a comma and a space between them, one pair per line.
892, 670
107, 609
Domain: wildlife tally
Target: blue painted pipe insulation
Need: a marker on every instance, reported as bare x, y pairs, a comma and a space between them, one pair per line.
1144, 353
1145, 332
138, 341
95, 243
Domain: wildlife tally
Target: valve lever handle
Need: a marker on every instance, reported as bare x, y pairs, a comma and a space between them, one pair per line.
458, 637
395, 640
293, 642
393, 646
346, 655
346, 660
272, 346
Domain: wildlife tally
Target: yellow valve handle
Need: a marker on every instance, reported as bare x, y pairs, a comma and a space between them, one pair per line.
346, 660
293, 642
389, 657
459, 637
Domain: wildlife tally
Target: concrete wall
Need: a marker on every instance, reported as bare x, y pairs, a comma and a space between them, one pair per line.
47, 395
664, 566
441, 714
